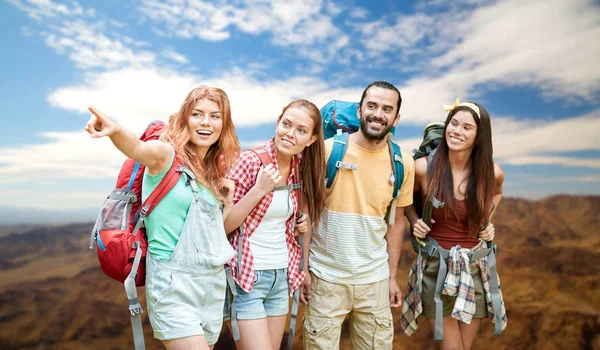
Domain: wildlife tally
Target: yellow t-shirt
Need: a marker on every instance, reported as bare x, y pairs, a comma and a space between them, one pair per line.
348, 244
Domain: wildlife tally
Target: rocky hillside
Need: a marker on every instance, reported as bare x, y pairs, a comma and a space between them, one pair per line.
54, 296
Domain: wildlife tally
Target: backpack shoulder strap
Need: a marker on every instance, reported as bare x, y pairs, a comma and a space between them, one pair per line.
434, 202
397, 166
396, 179
335, 160
165, 185
263, 154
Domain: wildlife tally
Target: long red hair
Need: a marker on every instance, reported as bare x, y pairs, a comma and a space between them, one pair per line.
220, 156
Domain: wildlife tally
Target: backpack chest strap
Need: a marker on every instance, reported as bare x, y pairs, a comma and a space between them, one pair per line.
344, 165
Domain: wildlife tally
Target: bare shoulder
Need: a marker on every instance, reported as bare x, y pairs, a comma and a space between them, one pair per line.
498, 174
421, 168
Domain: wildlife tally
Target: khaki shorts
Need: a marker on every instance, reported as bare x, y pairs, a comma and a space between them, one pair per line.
429, 279
368, 307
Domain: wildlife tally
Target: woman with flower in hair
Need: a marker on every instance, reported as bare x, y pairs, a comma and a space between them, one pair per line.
187, 244
268, 199
463, 185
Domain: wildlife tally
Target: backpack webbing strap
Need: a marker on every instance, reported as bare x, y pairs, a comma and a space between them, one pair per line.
165, 185
293, 317
135, 309
262, 153
338, 150
430, 248
437, 297
397, 166
296, 298
397, 177
495, 292
235, 328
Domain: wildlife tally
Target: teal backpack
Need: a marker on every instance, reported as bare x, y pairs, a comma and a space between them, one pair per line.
339, 120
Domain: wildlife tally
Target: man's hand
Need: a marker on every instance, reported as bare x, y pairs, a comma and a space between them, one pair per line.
305, 290
395, 293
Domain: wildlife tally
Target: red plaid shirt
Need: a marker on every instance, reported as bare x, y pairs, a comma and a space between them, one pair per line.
244, 175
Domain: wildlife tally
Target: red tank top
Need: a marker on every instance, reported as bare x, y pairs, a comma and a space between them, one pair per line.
449, 232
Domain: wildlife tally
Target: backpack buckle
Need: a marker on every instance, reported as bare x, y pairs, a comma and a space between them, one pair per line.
144, 210
349, 166
437, 204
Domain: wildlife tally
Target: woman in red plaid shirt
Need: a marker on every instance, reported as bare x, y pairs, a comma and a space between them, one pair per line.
265, 216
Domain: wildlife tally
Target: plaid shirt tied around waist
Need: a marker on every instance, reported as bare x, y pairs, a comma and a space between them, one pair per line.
458, 283
244, 175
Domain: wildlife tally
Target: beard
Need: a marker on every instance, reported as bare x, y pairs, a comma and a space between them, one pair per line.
372, 136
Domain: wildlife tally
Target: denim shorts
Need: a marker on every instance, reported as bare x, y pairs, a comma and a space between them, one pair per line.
183, 304
269, 297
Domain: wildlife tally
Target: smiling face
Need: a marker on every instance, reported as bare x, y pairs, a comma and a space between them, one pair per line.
294, 131
205, 124
377, 113
461, 131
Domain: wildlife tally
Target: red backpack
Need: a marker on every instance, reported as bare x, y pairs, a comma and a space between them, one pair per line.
118, 231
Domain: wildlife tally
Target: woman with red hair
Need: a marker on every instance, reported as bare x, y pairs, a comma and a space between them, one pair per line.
187, 245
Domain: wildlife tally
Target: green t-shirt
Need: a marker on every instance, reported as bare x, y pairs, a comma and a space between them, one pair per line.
165, 222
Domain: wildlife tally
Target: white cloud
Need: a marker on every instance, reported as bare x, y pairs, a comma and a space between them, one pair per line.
88, 46
38, 9
297, 24
549, 160
54, 200
571, 179
359, 13
536, 143
66, 156
553, 51
175, 56
504, 42
379, 38
125, 78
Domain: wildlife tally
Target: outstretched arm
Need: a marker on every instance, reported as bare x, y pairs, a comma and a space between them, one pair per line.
155, 155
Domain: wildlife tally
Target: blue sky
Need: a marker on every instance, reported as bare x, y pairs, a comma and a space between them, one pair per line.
531, 63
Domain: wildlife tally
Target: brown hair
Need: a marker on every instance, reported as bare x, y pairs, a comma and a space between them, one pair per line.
220, 156
312, 165
480, 188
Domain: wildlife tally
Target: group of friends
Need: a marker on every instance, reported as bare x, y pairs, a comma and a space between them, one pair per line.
234, 217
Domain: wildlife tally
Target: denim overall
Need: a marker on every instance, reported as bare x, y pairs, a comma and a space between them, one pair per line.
185, 294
